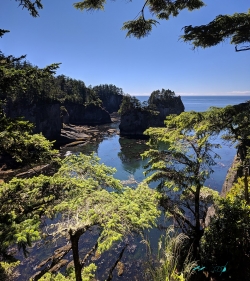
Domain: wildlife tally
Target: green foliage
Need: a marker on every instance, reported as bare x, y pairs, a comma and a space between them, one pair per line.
19, 146
88, 203
31, 6
105, 90
169, 265
88, 272
186, 144
234, 121
22, 203
164, 97
7, 271
81, 193
90, 5
69, 90
87, 275
226, 239
129, 103
180, 158
237, 192
18, 78
92, 98
236, 27
56, 277
139, 28
161, 95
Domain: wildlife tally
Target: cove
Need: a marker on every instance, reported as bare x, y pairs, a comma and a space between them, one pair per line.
124, 155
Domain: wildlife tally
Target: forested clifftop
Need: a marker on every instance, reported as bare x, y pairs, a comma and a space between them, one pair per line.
111, 97
44, 96
166, 102
90, 114
136, 117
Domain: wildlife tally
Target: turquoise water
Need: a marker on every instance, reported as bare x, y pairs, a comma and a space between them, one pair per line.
124, 154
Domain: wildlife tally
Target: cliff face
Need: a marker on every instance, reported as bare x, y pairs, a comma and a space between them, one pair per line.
135, 121
79, 114
234, 172
44, 115
49, 116
172, 106
112, 103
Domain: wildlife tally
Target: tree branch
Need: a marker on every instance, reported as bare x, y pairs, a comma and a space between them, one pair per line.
115, 264
242, 49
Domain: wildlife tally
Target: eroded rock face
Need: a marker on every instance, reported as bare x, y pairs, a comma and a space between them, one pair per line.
234, 172
86, 115
112, 103
174, 106
44, 115
134, 122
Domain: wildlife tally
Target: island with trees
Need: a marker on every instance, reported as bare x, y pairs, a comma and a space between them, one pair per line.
83, 196
136, 117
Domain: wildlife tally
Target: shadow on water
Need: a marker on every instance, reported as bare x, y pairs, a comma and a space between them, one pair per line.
123, 154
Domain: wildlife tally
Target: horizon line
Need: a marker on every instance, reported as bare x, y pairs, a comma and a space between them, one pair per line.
198, 95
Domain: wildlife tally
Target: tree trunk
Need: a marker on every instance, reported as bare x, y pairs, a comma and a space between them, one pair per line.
74, 238
246, 186
197, 221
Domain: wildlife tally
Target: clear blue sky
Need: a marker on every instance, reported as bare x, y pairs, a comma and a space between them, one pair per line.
92, 47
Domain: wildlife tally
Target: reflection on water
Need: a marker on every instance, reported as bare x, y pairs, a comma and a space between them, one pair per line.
123, 154
130, 154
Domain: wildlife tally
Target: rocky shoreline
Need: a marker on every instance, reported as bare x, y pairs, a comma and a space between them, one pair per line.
79, 135
73, 135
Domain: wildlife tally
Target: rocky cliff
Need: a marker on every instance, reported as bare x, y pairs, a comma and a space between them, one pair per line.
49, 116
135, 118
91, 114
136, 121
110, 95
234, 172
171, 106
44, 115
112, 103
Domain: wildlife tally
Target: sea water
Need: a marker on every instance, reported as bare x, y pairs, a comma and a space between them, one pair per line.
124, 154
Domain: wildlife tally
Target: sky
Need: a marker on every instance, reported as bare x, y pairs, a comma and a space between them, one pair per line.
92, 47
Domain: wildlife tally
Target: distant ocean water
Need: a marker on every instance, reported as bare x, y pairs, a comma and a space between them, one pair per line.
202, 103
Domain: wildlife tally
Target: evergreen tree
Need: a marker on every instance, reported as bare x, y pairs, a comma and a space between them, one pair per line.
226, 240
181, 159
236, 27
88, 203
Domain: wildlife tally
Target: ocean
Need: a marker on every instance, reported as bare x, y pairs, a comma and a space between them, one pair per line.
202, 103
124, 155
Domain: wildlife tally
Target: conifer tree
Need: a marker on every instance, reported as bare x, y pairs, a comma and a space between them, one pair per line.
236, 27
181, 157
